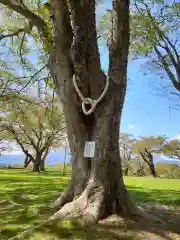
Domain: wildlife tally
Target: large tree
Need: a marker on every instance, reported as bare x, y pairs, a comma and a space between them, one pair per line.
96, 188
145, 147
172, 149
126, 142
35, 129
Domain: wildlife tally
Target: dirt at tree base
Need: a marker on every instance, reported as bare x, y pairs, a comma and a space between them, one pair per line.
117, 228
170, 229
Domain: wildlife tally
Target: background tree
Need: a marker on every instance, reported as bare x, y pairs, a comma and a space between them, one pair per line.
73, 50
155, 36
172, 149
36, 129
145, 147
3, 145
21, 81
126, 142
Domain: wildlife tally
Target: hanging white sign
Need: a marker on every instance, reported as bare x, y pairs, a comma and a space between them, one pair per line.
89, 149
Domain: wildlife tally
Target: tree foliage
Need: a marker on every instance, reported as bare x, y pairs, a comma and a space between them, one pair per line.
36, 129
152, 143
146, 146
25, 82
155, 36
172, 149
24, 55
126, 142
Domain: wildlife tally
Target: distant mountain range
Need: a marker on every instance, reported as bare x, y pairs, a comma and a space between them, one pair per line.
58, 156
53, 158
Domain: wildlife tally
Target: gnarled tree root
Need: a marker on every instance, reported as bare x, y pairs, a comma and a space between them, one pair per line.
65, 197
87, 214
89, 208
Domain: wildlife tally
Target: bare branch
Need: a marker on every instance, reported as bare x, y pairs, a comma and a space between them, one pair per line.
13, 132
167, 69
32, 77
177, 94
12, 34
21, 46
174, 59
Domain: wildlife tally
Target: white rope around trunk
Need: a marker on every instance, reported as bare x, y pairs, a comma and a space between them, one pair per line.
89, 101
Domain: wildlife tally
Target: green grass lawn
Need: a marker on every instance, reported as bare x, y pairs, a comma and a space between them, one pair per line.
33, 194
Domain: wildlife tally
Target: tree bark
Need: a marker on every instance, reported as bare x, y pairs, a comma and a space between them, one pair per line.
148, 159
27, 161
126, 171
42, 168
36, 167
96, 189
37, 162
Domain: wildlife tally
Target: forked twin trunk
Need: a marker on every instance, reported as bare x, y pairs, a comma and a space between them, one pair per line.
96, 189
37, 163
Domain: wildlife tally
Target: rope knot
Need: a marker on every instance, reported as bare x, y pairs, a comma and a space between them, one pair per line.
89, 101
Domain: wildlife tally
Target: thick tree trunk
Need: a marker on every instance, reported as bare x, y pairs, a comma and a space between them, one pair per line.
27, 161
126, 171
36, 167
152, 169
148, 159
42, 168
96, 189
37, 163
97, 184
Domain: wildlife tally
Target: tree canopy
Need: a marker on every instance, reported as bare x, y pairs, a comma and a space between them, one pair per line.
155, 36
36, 129
172, 149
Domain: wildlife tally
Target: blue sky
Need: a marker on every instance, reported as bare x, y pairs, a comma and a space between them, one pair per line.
145, 112
145, 109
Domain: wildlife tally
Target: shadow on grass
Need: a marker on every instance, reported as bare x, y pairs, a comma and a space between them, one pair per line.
114, 229
55, 173
34, 197
74, 230
166, 197
35, 192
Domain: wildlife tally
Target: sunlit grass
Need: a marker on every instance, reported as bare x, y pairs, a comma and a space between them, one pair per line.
160, 190
33, 194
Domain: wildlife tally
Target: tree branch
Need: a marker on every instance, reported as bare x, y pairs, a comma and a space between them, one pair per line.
167, 69
62, 34
31, 140
85, 42
19, 7
12, 34
119, 46
144, 158
175, 60
12, 131
32, 77
21, 48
